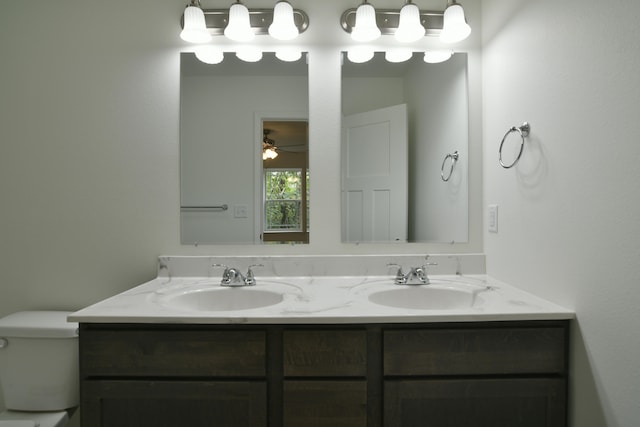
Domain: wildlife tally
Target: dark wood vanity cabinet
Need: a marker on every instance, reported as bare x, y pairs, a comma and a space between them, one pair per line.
455, 374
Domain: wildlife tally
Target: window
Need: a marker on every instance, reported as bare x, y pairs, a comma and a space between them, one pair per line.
286, 207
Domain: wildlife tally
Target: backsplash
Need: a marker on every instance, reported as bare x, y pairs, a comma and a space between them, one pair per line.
318, 265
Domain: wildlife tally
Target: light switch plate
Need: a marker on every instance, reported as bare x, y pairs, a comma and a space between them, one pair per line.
492, 214
240, 211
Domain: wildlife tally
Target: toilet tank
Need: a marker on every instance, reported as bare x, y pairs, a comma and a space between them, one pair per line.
39, 361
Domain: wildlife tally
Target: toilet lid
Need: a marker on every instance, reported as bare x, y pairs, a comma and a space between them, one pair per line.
33, 419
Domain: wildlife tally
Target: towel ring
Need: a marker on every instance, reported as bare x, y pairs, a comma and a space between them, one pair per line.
524, 130
454, 158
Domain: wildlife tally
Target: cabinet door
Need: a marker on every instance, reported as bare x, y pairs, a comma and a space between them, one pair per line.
535, 402
325, 403
173, 403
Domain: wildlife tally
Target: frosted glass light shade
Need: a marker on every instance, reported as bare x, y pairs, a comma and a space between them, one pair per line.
455, 27
360, 54
195, 27
239, 27
437, 56
398, 55
409, 28
283, 26
249, 54
365, 29
209, 54
288, 54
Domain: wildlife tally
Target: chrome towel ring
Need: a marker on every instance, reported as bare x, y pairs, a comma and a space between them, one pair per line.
454, 158
523, 130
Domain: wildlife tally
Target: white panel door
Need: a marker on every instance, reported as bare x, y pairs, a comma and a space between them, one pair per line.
374, 176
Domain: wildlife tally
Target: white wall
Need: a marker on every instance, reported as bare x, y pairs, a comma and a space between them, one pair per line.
569, 212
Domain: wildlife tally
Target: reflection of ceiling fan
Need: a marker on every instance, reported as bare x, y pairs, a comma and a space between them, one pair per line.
268, 146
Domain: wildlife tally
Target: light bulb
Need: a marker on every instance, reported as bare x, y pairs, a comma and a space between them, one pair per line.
283, 26
365, 29
409, 28
195, 27
455, 27
437, 56
239, 27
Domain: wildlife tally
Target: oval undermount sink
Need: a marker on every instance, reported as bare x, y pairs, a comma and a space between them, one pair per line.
423, 297
222, 299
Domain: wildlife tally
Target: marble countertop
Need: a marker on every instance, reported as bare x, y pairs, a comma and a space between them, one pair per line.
319, 300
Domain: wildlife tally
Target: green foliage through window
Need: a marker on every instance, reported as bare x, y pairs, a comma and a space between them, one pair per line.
283, 199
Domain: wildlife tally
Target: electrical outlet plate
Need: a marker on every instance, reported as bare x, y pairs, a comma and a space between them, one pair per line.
492, 214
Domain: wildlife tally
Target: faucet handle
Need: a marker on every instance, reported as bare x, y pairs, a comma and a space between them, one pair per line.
250, 279
427, 263
400, 278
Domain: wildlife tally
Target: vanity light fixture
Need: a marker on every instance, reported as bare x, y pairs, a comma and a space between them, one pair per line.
409, 27
283, 26
194, 29
410, 24
239, 27
454, 27
241, 24
365, 28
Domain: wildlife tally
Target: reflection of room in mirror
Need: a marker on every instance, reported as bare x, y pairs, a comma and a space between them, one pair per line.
222, 108
286, 181
436, 100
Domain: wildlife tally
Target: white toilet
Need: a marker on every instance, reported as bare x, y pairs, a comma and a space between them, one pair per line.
38, 368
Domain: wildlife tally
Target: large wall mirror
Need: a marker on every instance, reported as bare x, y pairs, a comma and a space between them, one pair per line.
404, 153
244, 151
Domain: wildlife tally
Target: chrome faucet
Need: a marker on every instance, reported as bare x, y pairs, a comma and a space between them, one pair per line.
233, 277
415, 276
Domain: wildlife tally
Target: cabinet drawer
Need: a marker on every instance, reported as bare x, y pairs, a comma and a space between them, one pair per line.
509, 402
325, 403
179, 353
327, 353
174, 403
475, 351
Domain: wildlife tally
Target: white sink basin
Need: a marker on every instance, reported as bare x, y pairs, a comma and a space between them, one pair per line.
423, 297
221, 299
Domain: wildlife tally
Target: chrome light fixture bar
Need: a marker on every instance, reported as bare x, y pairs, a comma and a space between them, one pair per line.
216, 20
388, 21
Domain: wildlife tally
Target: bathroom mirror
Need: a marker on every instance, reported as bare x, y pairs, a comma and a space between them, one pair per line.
227, 112
404, 150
